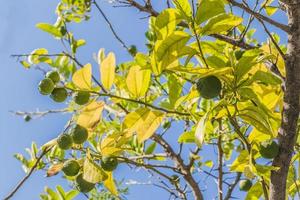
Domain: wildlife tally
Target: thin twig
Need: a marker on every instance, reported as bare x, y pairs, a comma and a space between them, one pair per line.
260, 16
19, 185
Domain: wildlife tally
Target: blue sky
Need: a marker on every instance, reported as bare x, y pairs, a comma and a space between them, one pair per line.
19, 86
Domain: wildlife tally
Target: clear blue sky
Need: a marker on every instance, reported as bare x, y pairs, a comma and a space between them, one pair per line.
19, 86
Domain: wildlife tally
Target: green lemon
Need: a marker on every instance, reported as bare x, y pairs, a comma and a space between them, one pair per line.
209, 87
64, 141
79, 134
245, 185
46, 86
81, 97
27, 118
54, 76
269, 150
59, 95
83, 185
132, 50
71, 168
109, 163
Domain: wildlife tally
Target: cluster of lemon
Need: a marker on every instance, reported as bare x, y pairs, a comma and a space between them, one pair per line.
79, 135
49, 86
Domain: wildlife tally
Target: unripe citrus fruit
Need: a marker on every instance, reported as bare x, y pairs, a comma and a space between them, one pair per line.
79, 134
27, 118
81, 97
46, 86
83, 185
245, 185
71, 168
209, 87
64, 141
269, 150
133, 50
54, 76
109, 163
59, 94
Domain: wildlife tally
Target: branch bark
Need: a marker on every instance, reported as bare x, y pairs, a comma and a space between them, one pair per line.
182, 167
290, 114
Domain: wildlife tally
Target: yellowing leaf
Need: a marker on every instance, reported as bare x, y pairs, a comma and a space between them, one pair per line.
255, 192
240, 162
49, 28
112, 143
90, 115
92, 172
257, 136
138, 81
151, 122
109, 183
144, 122
271, 10
54, 169
107, 70
82, 78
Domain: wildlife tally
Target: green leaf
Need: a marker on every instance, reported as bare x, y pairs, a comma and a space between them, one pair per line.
257, 118
166, 22
240, 162
266, 78
71, 194
184, 7
49, 29
168, 50
208, 9
175, 89
221, 23
172, 43
255, 192
37, 56
187, 137
150, 149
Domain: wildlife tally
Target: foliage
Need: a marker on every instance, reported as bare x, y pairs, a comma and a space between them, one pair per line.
134, 106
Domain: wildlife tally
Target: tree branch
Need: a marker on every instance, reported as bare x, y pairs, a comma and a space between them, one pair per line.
19, 185
182, 167
260, 16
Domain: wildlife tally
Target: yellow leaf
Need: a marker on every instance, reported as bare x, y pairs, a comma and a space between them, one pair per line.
91, 114
151, 122
134, 119
138, 81
92, 172
112, 143
144, 122
109, 183
82, 78
107, 70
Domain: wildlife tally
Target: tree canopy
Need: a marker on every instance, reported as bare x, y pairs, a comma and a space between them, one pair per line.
229, 99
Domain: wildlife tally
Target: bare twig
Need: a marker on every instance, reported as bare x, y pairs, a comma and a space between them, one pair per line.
110, 25
232, 186
19, 185
260, 16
